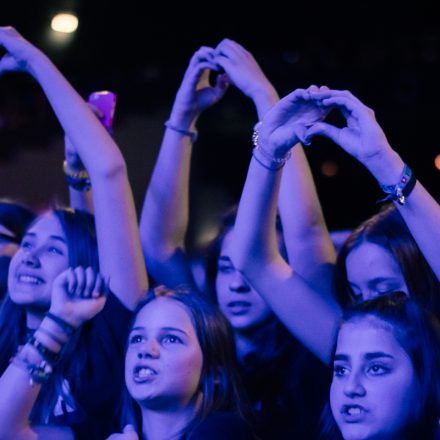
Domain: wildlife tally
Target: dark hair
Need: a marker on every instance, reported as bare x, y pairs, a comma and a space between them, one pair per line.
219, 382
418, 332
80, 233
388, 229
15, 217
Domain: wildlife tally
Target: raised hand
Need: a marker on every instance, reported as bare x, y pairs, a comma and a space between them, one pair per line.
19, 51
78, 295
244, 72
195, 94
286, 123
363, 137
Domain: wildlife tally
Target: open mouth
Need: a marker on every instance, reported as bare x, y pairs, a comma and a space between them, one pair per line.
143, 373
29, 279
239, 307
353, 413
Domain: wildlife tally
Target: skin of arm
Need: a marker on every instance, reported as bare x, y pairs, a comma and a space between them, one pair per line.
306, 236
75, 303
310, 315
120, 253
164, 219
364, 139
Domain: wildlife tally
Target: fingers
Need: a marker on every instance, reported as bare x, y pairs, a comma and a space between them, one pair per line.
230, 49
85, 283
322, 129
204, 54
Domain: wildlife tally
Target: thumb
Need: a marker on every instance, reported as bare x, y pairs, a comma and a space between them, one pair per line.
322, 129
128, 428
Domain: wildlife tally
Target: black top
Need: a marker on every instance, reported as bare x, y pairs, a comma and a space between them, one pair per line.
287, 389
221, 426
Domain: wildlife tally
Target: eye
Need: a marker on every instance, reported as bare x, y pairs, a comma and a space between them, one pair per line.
135, 339
55, 250
378, 369
225, 268
26, 244
171, 339
339, 370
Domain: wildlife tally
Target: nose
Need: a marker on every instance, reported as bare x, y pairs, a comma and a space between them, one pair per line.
31, 259
353, 386
149, 350
238, 284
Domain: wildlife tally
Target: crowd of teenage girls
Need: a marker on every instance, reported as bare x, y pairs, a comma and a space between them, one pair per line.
284, 339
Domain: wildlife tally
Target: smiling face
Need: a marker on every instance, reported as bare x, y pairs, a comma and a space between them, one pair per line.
374, 384
41, 257
238, 301
163, 363
372, 270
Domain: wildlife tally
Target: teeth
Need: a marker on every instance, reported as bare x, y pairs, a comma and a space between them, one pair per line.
29, 279
354, 411
145, 372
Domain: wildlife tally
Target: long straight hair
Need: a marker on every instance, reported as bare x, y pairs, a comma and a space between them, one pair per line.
219, 382
80, 234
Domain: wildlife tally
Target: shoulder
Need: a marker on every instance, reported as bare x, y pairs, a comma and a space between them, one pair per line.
222, 426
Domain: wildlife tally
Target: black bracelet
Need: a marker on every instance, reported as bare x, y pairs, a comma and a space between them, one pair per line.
50, 356
67, 328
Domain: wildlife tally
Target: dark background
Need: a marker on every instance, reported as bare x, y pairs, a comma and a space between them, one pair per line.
389, 59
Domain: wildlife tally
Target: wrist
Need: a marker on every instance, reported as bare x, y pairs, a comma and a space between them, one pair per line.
386, 166
186, 119
66, 322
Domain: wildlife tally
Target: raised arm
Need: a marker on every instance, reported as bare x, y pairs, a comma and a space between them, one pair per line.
311, 315
74, 303
364, 139
164, 219
307, 240
120, 253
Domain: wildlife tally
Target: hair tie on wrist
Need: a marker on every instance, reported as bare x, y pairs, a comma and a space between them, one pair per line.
65, 326
402, 189
192, 134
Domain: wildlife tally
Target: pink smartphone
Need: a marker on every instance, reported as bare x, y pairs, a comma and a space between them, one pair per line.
105, 102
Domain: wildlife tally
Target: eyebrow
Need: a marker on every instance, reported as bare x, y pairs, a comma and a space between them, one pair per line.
53, 237
224, 258
366, 356
162, 328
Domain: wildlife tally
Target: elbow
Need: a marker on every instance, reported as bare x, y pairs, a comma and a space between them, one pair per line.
112, 168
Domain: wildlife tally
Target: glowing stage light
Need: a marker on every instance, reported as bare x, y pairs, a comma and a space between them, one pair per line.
65, 23
437, 161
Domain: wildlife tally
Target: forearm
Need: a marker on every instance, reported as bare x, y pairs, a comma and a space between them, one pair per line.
95, 146
19, 390
264, 98
309, 247
255, 238
421, 212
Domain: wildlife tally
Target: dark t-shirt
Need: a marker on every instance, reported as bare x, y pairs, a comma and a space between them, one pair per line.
287, 392
221, 426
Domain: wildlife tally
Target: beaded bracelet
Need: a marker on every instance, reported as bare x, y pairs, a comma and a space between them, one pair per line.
49, 355
78, 180
263, 157
192, 134
400, 191
39, 373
